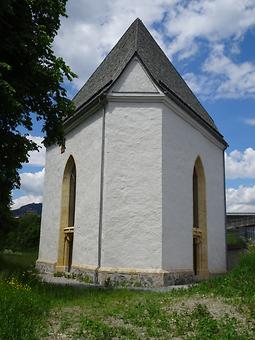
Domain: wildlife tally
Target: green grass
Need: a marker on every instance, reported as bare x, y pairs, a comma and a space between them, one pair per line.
235, 241
221, 308
11, 263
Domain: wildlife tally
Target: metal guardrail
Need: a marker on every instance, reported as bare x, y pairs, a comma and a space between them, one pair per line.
241, 225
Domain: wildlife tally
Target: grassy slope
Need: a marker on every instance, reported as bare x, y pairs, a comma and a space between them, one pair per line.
222, 308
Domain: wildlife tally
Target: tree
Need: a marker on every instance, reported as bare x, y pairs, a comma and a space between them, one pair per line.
31, 81
23, 235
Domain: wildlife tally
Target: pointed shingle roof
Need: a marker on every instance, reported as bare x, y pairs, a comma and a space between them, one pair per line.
137, 40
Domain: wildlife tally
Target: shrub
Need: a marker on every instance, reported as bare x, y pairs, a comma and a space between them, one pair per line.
23, 234
235, 241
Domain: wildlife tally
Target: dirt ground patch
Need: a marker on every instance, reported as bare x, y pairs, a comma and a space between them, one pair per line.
215, 306
62, 323
82, 323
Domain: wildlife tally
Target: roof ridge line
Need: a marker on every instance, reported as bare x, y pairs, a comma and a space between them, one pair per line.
136, 34
111, 50
138, 40
126, 63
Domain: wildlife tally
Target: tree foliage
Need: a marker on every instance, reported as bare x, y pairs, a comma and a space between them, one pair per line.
23, 234
31, 81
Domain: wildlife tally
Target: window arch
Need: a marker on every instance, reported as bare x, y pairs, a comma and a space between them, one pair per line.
67, 218
72, 191
195, 199
200, 257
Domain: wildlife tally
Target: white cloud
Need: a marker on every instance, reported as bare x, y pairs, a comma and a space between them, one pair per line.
200, 84
223, 78
241, 199
212, 20
250, 121
240, 164
237, 79
26, 199
94, 27
32, 183
37, 158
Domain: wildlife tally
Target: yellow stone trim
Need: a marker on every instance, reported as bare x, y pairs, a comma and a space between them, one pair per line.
197, 232
60, 268
179, 271
131, 270
84, 267
63, 248
200, 233
68, 230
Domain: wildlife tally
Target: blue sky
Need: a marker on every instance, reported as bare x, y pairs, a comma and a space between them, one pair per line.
210, 42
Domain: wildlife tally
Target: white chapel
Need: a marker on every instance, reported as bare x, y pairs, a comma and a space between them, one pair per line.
136, 196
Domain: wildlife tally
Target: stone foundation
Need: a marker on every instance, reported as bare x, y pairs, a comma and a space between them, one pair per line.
86, 274
122, 277
142, 278
180, 278
45, 267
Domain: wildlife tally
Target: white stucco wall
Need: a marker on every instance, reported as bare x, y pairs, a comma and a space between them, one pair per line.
182, 143
149, 158
132, 216
51, 205
84, 144
134, 79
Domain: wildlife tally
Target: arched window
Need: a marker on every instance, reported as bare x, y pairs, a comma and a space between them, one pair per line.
195, 199
200, 257
67, 218
72, 197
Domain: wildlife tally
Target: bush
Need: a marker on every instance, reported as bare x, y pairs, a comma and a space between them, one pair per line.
235, 241
23, 234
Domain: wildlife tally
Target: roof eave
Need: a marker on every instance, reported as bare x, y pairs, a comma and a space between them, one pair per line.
98, 98
173, 96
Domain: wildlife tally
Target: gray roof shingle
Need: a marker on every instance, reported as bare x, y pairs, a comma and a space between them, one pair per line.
137, 40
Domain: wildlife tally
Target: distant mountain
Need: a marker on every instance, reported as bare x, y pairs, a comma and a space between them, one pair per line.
35, 208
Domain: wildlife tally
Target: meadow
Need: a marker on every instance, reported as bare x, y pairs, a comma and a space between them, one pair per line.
220, 308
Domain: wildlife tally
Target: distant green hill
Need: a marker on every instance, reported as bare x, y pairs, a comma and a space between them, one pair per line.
35, 208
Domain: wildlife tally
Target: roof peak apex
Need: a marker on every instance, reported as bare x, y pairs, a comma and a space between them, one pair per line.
137, 22
138, 39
